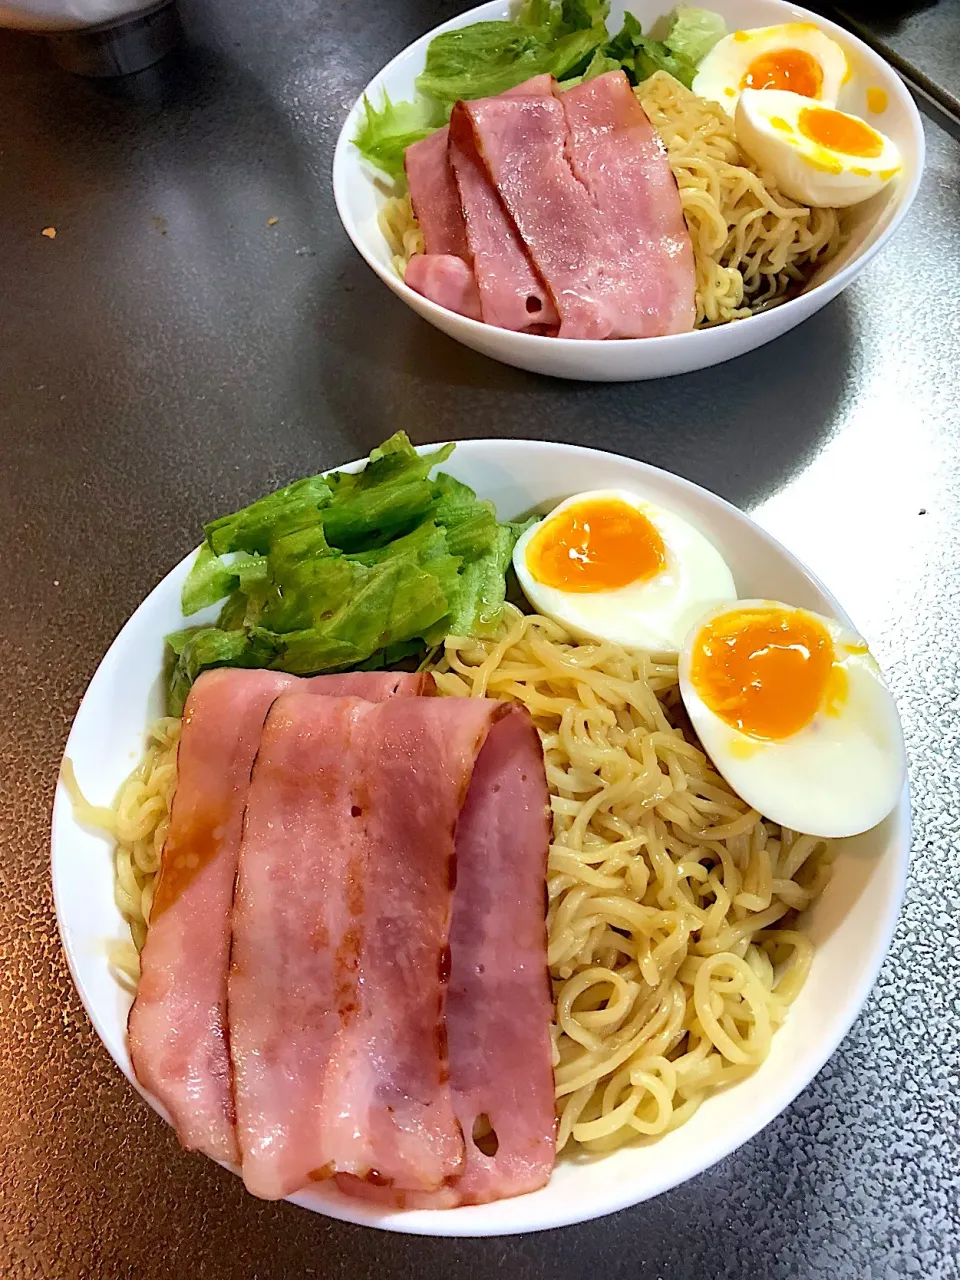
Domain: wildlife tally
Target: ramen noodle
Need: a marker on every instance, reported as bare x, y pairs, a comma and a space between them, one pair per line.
672, 943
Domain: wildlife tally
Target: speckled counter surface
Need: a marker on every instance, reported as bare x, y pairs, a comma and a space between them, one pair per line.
168, 356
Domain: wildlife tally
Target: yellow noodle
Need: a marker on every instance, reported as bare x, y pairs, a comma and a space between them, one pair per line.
138, 821
751, 244
401, 231
667, 893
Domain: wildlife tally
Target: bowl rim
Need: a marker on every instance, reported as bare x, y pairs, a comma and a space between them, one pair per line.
480, 1220
344, 157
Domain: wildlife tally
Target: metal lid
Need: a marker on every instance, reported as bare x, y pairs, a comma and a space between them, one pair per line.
120, 47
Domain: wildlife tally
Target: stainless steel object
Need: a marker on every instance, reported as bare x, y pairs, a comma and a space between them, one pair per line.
120, 47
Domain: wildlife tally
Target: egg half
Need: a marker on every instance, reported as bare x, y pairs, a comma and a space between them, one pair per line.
815, 154
793, 711
794, 55
611, 566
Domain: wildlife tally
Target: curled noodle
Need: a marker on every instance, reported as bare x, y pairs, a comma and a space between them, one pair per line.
751, 244
670, 900
138, 821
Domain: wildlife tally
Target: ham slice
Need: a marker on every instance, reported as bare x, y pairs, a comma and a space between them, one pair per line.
512, 295
499, 1003
445, 280
587, 259
618, 156
341, 941
177, 1025
434, 196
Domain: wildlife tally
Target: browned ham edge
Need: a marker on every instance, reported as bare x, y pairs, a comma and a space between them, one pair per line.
177, 1025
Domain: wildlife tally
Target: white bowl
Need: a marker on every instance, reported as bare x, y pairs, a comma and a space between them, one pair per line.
850, 926
360, 191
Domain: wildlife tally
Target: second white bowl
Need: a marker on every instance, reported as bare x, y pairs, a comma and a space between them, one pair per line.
360, 192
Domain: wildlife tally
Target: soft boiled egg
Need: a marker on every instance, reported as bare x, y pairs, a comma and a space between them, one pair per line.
814, 154
610, 566
793, 55
794, 713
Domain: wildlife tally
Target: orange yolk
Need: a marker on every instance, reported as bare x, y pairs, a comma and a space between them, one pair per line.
838, 132
598, 545
766, 672
793, 69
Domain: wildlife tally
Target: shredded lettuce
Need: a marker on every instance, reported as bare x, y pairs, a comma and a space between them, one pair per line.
346, 570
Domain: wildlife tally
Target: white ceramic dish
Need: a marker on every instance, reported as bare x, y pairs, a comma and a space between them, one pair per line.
850, 926
360, 192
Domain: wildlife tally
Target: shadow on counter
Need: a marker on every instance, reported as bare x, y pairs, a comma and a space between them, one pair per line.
742, 429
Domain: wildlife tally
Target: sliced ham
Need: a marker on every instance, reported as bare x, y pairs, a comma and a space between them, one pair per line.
434, 196
445, 280
296, 932
618, 156
177, 1025
512, 295
586, 260
499, 1003
341, 942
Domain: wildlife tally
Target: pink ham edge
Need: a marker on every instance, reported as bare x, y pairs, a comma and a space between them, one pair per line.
434, 196
446, 280
177, 1024
618, 156
499, 1003
512, 295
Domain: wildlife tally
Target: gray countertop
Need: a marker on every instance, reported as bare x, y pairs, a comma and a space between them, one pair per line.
168, 356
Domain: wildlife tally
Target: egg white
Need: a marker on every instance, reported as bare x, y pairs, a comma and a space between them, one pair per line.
720, 74
768, 130
839, 775
654, 614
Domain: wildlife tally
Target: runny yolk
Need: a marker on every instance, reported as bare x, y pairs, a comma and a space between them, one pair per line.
840, 132
766, 672
597, 545
793, 69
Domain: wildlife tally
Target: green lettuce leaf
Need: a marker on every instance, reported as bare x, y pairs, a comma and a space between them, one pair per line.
201, 648
694, 32
581, 15
253, 528
483, 587
385, 134
212, 578
653, 55
640, 56
345, 570
487, 58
